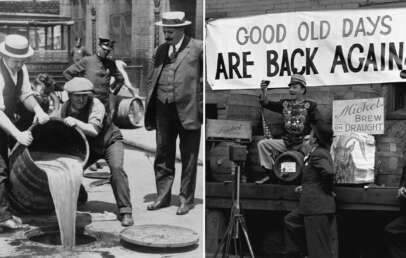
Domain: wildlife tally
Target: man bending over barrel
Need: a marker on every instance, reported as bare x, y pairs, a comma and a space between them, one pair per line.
298, 114
87, 113
14, 86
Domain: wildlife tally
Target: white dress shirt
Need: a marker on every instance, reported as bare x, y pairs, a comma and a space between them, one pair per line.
177, 46
26, 90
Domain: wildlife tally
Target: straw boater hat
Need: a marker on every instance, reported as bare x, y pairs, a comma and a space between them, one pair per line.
173, 19
79, 85
16, 46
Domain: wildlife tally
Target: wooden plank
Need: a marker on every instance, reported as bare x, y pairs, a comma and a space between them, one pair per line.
262, 195
270, 205
287, 205
228, 129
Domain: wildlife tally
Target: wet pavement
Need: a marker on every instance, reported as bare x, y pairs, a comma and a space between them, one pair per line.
97, 217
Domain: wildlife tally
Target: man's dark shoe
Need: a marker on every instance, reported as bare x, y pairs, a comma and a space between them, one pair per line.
127, 220
184, 208
157, 205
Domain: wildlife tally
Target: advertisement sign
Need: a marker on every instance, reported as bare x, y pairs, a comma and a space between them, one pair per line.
354, 158
358, 115
328, 47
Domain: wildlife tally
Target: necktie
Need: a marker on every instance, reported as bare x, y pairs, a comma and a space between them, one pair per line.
173, 54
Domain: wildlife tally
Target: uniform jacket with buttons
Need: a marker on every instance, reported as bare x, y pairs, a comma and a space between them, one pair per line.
99, 72
186, 81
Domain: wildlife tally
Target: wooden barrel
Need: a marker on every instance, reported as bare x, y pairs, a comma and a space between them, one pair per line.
388, 162
28, 184
288, 166
129, 113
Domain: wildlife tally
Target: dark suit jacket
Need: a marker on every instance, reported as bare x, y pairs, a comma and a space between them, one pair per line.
317, 182
187, 82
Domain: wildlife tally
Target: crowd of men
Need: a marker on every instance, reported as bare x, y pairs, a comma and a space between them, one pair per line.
172, 109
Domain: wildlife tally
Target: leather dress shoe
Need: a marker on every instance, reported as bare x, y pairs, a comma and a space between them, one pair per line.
183, 209
157, 205
127, 220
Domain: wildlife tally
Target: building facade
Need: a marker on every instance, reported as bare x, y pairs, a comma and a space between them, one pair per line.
131, 24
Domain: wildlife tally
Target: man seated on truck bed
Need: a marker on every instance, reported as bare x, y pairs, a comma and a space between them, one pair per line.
298, 114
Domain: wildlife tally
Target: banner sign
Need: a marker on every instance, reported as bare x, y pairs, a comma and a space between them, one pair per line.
327, 47
358, 115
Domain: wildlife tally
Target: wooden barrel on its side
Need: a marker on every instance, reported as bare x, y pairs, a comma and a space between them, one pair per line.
28, 184
288, 166
388, 162
129, 113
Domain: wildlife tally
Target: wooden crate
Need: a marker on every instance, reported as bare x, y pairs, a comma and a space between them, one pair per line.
228, 130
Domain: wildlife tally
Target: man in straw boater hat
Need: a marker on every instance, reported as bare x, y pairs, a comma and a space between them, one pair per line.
174, 107
14, 87
298, 114
87, 113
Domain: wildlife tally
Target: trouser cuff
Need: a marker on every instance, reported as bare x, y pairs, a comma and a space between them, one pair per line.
125, 210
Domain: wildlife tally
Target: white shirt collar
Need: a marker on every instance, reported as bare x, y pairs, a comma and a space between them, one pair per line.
13, 75
179, 43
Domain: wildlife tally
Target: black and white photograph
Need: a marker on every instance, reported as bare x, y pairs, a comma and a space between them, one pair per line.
101, 124
305, 128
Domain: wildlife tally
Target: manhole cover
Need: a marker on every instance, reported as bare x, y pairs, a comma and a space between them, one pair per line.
54, 238
159, 236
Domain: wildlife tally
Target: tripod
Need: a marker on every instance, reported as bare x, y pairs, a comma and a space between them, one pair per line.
237, 223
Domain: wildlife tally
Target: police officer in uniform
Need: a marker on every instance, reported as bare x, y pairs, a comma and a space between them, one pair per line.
99, 69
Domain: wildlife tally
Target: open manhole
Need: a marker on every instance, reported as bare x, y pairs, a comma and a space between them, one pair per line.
54, 238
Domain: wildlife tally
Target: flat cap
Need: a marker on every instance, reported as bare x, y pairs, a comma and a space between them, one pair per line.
79, 85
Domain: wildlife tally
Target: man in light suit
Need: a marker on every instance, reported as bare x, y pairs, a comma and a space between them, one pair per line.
174, 108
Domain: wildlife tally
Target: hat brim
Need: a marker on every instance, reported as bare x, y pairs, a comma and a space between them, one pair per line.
4, 51
185, 23
291, 83
106, 48
82, 92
